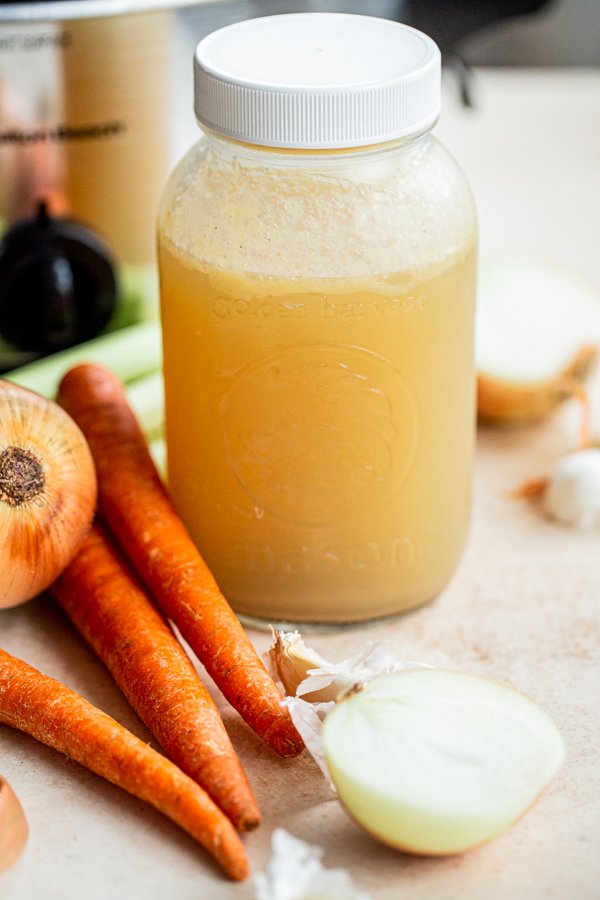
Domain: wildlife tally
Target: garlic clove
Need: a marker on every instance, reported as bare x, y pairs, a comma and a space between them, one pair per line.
573, 492
305, 673
13, 826
290, 660
295, 872
538, 334
435, 762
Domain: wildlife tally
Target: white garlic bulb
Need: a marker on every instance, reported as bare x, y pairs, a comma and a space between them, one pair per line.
573, 493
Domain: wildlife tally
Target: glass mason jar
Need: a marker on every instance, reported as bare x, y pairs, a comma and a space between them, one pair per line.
317, 267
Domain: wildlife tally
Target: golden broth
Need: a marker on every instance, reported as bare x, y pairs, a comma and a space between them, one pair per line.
320, 432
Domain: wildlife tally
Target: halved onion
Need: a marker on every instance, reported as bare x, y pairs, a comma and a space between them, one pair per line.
538, 335
436, 762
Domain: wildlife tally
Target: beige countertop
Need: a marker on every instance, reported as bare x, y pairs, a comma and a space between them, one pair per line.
524, 607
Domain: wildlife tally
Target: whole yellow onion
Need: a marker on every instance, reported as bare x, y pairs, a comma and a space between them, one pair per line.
47, 492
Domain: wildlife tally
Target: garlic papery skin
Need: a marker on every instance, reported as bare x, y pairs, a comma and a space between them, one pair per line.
573, 492
47, 492
308, 722
436, 762
295, 872
13, 826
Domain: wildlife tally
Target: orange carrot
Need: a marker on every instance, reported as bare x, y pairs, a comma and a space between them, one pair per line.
116, 617
58, 717
139, 511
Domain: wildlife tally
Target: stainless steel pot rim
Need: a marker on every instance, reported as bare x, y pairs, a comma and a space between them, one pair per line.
65, 10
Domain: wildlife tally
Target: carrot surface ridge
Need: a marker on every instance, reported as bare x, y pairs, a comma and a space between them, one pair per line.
140, 513
57, 716
112, 611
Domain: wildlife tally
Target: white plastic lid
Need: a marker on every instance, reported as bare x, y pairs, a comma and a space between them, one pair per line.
317, 80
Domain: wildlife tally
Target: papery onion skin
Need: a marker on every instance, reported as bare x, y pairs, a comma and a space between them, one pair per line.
13, 826
43, 525
444, 792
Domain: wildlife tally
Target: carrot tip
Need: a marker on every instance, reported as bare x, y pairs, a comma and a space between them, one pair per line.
248, 824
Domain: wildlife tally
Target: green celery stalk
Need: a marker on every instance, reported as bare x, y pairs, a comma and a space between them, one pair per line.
146, 398
158, 451
130, 353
